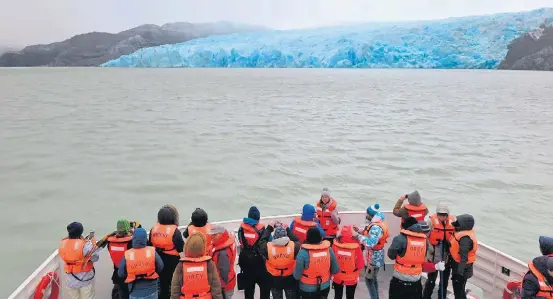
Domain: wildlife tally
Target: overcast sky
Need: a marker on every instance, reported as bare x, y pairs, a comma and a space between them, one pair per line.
25, 22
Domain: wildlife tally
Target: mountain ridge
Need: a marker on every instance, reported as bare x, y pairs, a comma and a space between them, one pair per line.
95, 48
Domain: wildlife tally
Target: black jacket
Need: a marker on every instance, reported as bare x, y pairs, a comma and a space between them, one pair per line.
466, 222
278, 282
530, 285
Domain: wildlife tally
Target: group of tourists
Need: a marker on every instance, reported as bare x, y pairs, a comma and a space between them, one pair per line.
304, 259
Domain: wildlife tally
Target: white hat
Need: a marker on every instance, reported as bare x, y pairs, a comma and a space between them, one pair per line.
442, 208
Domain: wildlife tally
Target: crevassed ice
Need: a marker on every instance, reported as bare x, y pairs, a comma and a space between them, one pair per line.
477, 42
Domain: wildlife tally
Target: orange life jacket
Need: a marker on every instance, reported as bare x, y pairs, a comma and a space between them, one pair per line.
415, 254
454, 245
162, 238
546, 290
71, 252
301, 227
250, 234
330, 228
439, 231
195, 280
415, 212
385, 234
346, 256
206, 232
227, 244
117, 247
281, 261
319, 263
141, 263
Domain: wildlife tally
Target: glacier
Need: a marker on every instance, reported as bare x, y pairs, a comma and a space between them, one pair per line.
475, 42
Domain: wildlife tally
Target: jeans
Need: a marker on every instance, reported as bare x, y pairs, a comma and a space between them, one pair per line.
339, 291
170, 262
323, 294
405, 289
278, 293
459, 285
81, 293
152, 296
431, 283
372, 284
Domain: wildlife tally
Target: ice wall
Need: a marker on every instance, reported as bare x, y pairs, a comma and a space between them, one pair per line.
477, 42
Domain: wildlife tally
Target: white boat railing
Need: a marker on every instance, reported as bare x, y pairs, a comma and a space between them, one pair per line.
492, 270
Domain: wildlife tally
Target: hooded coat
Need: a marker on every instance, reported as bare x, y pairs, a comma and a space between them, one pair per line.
142, 287
302, 262
308, 214
466, 222
195, 247
530, 285
284, 282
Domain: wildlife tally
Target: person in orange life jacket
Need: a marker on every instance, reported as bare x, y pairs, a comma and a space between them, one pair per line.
117, 245
196, 274
199, 224
224, 256
77, 254
408, 249
315, 264
441, 230
413, 208
252, 264
430, 267
167, 239
140, 267
373, 238
301, 224
348, 252
462, 248
327, 214
540, 275
280, 254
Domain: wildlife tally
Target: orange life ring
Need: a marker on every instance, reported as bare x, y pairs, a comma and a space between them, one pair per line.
50, 280
510, 288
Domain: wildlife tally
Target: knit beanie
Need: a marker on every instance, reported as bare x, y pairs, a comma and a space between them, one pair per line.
372, 210
75, 230
195, 245
408, 222
425, 227
313, 236
325, 192
414, 198
254, 213
279, 233
123, 226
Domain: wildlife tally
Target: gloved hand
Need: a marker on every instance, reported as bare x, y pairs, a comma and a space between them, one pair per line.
354, 233
440, 266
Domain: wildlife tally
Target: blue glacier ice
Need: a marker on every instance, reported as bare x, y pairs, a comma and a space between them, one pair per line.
476, 42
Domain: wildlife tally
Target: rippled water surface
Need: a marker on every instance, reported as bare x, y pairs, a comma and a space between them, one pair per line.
95, 145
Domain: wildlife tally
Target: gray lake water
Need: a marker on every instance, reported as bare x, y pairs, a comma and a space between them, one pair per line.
95, 145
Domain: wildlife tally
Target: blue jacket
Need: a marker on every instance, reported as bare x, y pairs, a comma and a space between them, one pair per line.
375, 233
142, 288
308, 214
302, 263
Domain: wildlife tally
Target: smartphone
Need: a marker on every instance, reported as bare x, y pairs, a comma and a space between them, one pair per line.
91, 234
